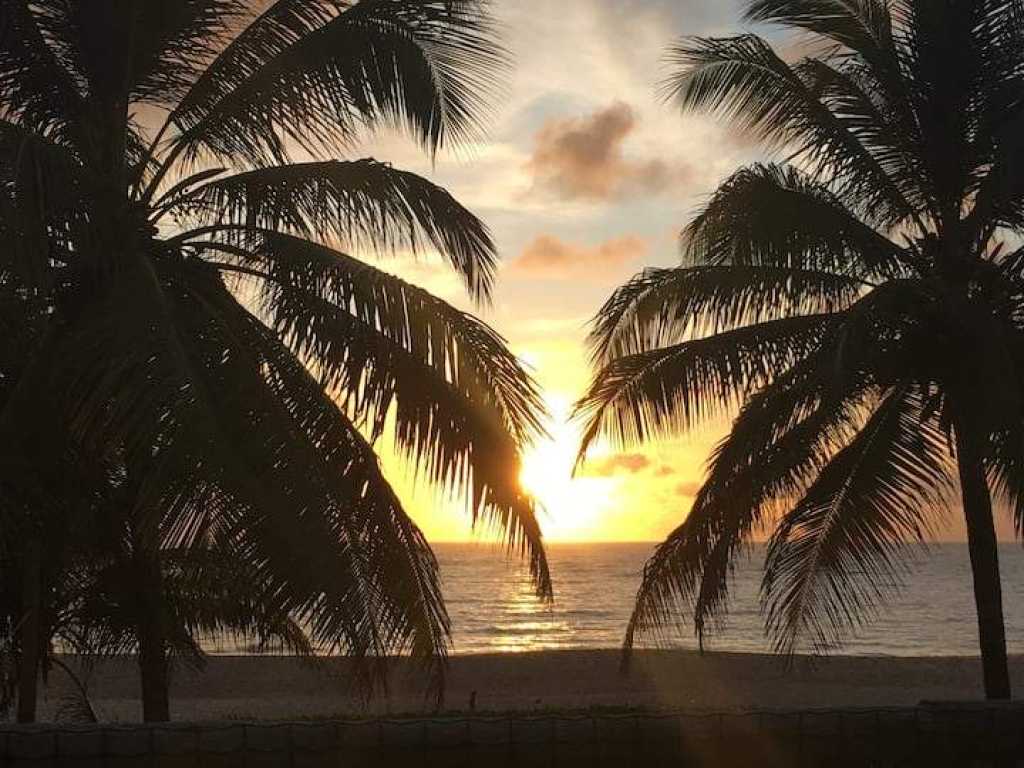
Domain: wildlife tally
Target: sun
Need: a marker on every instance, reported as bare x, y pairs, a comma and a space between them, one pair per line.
572, 508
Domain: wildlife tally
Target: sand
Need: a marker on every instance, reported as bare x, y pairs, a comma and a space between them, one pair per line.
279, 688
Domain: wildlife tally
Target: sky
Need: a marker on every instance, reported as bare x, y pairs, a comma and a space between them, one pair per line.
585, 177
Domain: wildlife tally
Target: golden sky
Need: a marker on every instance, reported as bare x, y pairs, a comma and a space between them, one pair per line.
585, 178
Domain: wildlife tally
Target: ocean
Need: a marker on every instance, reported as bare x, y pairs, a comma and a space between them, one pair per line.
493, 609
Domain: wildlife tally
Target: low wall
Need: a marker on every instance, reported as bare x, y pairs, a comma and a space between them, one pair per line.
921, 736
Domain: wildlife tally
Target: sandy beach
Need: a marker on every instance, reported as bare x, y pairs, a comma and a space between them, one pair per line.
277, 688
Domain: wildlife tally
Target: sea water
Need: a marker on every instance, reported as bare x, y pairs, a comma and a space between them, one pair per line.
493, 608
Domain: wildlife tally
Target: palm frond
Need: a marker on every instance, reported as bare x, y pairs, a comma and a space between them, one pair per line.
464, 407
44, 186
76, 707
40, 92
745, 80
208, 591
866, 28
662, 392
123, 374
782, 437
841, 550
363, 204
266, 36
174, 41
1006, 473
771, 215
216, 593
945, 64
863, 26
394, 583
313, 73
999, 201
884, 123
660, 307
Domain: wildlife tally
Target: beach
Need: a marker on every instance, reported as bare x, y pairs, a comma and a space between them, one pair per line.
284, 688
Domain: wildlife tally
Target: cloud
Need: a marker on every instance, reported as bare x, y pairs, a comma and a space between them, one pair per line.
687, 17
548, 256
619, 464
688, 490
582, 158
664, 471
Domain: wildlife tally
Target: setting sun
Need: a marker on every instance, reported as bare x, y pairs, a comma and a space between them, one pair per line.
573, 507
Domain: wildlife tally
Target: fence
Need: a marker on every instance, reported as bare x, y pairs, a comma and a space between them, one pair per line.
922, 736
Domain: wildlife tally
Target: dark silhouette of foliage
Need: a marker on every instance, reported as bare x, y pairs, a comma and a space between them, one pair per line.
181, 242
856, 308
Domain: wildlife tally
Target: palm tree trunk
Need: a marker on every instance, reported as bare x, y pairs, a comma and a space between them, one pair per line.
154, 666
30, 632
981, 540
154, 673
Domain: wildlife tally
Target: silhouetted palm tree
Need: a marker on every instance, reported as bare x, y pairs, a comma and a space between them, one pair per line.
101, 600
121, 587
210, 330
860, 303
206, 593
47, 496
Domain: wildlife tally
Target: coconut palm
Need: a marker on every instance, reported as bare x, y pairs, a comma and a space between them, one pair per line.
175, 191
102, 600
44, 504
855, 307
206, 592
122, 592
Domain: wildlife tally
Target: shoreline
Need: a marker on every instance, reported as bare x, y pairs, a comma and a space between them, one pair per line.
535, 682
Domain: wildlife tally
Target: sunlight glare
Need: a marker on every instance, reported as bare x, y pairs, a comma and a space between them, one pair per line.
572, 507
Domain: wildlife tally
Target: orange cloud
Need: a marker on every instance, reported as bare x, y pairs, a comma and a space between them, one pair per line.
688, 490
622, 463
582, 158
548, 256
664, 471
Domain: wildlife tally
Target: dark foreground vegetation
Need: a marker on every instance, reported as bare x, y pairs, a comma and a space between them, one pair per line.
196, 363
858, 306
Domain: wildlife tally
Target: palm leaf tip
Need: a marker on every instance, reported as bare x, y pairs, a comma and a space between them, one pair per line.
667, 589
517, 520
362, 204
841, 551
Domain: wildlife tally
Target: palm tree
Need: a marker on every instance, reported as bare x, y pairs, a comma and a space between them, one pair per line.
123, 592
171, 193
207, 592
857, 308
107, 585
44, 504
